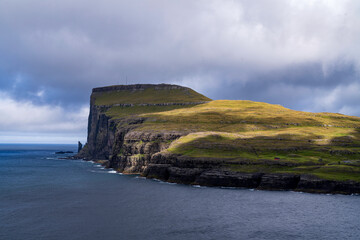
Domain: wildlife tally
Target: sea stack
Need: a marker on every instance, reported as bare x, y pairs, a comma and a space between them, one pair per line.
79, 146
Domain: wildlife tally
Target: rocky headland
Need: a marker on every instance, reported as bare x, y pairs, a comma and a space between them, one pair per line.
175, 134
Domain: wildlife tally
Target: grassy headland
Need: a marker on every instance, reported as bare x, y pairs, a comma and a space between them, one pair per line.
248, 136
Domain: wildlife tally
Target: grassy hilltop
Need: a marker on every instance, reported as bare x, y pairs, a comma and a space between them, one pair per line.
248, 136
162, 93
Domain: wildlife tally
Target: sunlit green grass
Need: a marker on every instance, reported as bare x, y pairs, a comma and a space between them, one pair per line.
119, 112
333, 172
237, 130
229, 112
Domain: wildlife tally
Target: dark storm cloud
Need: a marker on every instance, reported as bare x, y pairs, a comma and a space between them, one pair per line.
296, 85
301, 54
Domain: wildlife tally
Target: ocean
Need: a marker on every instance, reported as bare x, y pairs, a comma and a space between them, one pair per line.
44, 197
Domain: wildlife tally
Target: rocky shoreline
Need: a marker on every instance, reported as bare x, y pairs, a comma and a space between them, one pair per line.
212, 177
260, 181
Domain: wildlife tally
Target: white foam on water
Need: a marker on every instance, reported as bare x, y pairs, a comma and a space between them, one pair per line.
112, 171
228, 187
85, 161
94, 171
171, 183
159, 181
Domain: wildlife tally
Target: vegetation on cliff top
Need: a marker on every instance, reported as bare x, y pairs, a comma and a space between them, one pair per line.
121, 112
150, 95
266, 137
323, 144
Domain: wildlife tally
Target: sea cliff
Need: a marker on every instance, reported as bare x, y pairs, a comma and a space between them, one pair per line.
175, 134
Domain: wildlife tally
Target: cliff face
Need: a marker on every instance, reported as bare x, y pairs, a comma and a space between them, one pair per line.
127, 133
117, 140
214, 176
101, 133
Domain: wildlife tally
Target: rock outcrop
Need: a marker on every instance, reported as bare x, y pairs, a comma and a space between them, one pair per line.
79, 146
220, 178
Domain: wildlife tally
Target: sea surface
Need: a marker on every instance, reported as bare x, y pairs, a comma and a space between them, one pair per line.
44, 197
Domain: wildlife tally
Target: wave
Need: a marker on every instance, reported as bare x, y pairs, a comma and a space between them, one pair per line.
94, 171
160, 181
231, 188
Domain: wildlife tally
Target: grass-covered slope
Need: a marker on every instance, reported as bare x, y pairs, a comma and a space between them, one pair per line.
248, 136
148, 94
267, 138
234, 116
131, 100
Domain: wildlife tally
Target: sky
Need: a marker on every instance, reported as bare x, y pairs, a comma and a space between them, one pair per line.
304, 55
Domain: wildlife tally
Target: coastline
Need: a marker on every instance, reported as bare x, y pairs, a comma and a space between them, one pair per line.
221, 143
236, 180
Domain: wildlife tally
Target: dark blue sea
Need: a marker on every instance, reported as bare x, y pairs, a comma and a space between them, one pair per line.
44, 197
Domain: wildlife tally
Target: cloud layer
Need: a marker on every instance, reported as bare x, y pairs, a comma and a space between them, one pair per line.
23, 120
301, 54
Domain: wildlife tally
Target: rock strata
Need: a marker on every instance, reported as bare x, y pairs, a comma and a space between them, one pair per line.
216, 178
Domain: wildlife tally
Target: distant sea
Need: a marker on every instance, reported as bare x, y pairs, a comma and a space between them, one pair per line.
44, 197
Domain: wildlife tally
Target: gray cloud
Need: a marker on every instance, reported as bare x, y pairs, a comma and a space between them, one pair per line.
294, 53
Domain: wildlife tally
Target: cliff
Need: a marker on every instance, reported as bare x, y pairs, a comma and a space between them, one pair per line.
175, 134
115, 115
